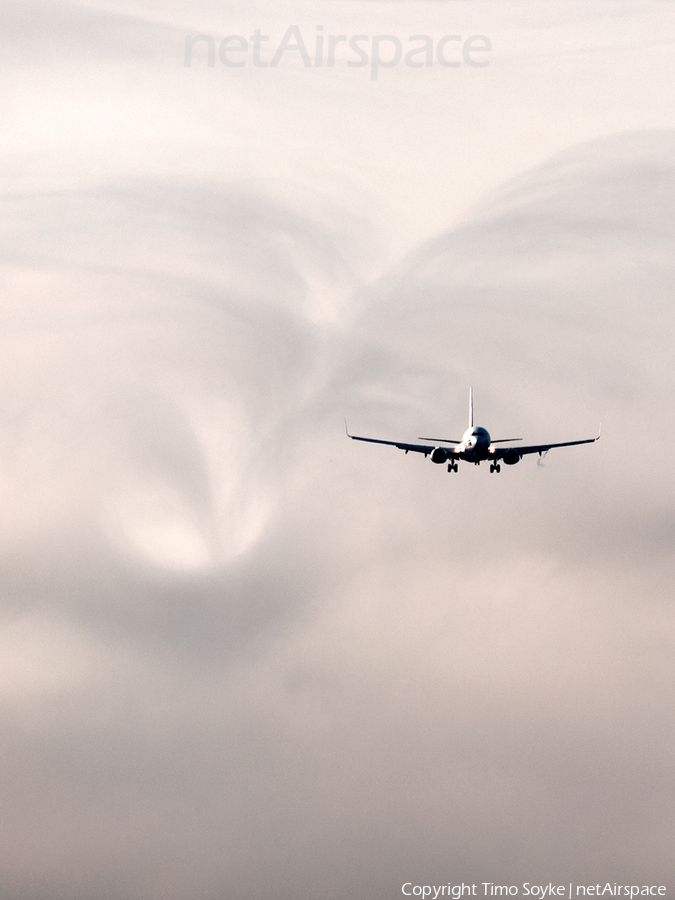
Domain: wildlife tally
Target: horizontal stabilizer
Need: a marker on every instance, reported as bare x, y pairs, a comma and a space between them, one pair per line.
440, 440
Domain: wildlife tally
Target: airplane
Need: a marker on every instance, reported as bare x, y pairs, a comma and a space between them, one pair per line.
475, 446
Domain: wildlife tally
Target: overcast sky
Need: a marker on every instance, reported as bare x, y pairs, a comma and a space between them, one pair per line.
240, 655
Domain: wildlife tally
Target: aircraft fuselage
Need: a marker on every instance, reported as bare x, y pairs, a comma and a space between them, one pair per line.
475, 445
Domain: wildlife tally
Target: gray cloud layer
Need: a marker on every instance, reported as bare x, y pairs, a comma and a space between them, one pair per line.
243, 656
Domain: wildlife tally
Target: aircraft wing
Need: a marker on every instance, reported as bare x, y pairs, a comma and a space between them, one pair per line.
426, 449
499, 452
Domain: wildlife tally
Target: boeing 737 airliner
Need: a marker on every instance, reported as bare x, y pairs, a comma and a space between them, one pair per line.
475, 446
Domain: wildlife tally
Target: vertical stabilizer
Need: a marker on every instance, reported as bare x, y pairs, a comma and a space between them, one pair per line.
470, 407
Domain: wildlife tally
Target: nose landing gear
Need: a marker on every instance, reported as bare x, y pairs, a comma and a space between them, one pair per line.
452, 466
495, 467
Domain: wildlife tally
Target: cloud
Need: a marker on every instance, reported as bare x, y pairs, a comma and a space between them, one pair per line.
295, 664
524, 610
35, 31
245, 656
552, 298
158, 338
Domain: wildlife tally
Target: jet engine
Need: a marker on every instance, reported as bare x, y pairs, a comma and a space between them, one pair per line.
439, 455
511, 457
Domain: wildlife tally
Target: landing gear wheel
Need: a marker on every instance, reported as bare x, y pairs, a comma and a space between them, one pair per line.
452, 467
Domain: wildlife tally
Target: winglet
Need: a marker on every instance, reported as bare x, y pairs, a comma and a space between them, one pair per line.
599, 432
347, 429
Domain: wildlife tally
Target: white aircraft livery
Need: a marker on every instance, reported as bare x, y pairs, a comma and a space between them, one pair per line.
475, 446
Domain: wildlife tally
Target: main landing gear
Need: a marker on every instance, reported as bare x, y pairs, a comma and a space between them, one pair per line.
452, 466
495, 467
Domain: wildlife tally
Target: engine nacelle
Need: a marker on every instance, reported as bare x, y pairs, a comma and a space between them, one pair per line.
439, 455
511, 457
